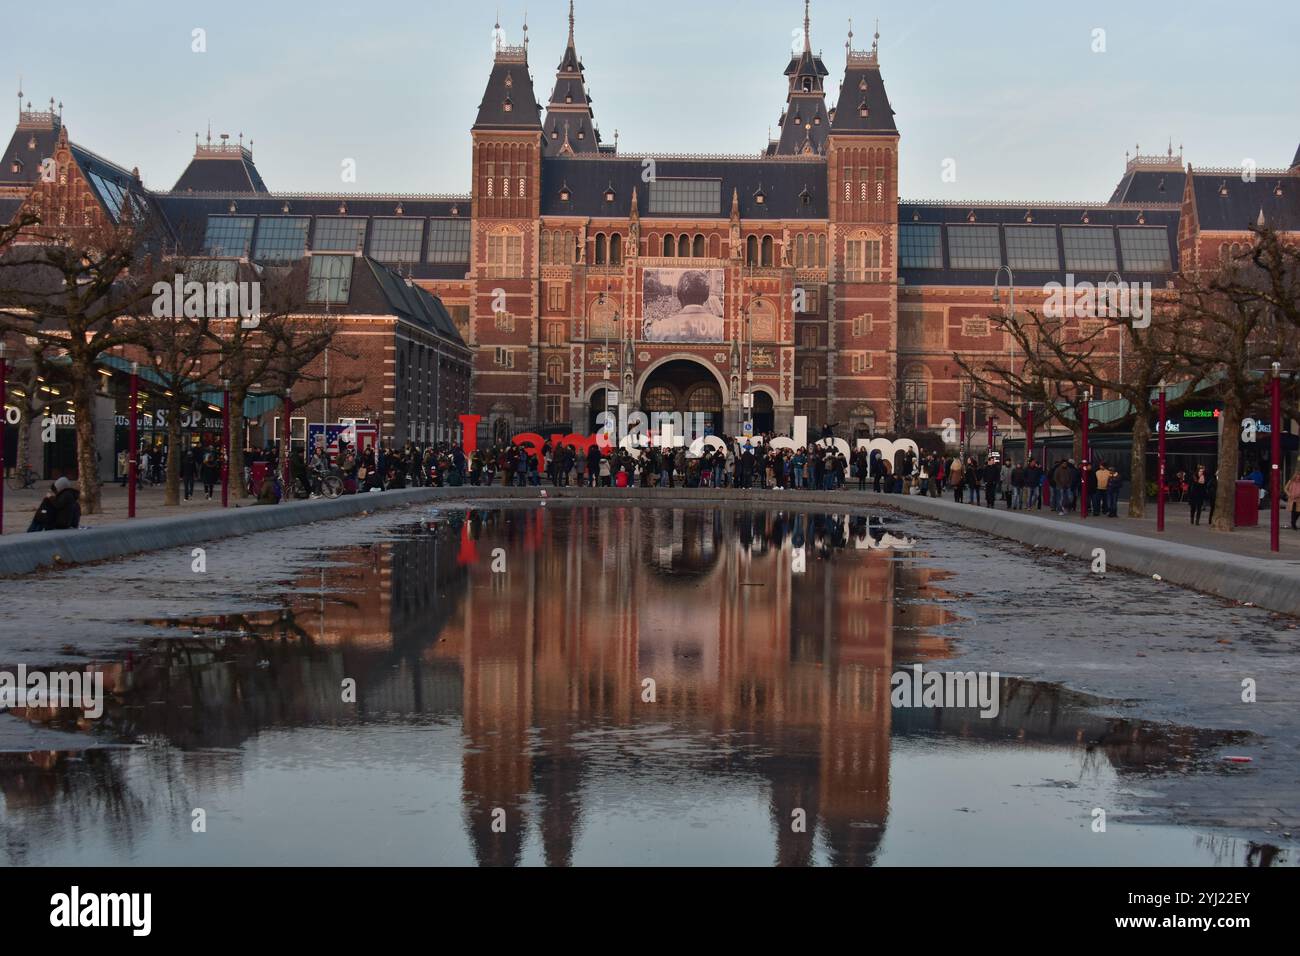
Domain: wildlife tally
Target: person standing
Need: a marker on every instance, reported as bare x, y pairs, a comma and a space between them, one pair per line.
1196, 493
1293, 496
1100, 498
992, 474
209, 470
189, 471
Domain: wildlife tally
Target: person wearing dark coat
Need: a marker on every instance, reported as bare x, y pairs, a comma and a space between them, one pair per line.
189, 472
59, 510
991, 475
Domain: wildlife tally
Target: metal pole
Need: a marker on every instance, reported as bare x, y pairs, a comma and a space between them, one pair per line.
4, 422
1275, 470
133, 438
962, 449
1029, 433
990, 431
286, 447
225, 444
1083, 474
1160, 467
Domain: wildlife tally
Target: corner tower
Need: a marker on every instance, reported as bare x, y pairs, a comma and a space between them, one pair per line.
862, 172
507, 168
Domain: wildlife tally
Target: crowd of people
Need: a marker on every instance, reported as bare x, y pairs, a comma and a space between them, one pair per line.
1063, 488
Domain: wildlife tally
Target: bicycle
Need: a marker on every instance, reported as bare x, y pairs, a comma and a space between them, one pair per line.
23, 478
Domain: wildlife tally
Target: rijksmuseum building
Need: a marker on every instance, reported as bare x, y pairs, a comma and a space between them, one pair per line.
793, 281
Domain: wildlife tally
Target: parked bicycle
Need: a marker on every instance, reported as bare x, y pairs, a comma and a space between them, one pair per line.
23, 477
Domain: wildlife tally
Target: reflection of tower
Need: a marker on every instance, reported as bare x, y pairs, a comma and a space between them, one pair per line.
498, 672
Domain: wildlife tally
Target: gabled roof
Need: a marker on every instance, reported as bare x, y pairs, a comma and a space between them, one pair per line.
1296, 161
119, 192
224, 167
1225, 203
376, 288
29, 145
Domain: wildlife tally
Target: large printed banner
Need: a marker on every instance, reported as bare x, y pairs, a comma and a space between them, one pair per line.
682, 305
360, 437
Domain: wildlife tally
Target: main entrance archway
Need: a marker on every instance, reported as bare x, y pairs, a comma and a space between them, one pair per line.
683, 385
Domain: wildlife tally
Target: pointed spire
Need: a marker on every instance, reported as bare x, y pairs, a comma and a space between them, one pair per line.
875, 40
848, 44
807, 27
570, 22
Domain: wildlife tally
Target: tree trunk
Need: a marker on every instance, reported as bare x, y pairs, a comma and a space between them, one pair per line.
1225, 496
172, 489
83, 407
1137, 497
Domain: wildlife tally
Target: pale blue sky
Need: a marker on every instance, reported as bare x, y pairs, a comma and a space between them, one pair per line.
1012, 91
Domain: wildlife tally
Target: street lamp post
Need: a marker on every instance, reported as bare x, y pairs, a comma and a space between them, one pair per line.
962, 444
991, 422
1106, 284
1029, 433
4, 422
1011, 304
132, 440
1160, 466
1084, 504
286, 446
1275, 456
225, 443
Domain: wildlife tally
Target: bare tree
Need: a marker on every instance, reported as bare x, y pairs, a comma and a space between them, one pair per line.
1235, 330
174, 346
66, 288
274, 352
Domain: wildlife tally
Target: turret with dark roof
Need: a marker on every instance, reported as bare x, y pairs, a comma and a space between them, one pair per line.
863, 105
805, 123
223, 167
509, 102
570, 125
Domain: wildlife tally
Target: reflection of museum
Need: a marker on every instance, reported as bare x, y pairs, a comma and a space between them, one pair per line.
777, 675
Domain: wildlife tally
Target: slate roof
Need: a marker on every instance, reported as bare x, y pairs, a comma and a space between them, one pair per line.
1150, 186
1224, 202
377, 289
781, 180
9, 206
510, 83
863, 70
1055, 215
1296, 161
804, 125
221, 170
29, 145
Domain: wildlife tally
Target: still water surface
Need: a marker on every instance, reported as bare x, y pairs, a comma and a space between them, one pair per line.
501, 660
